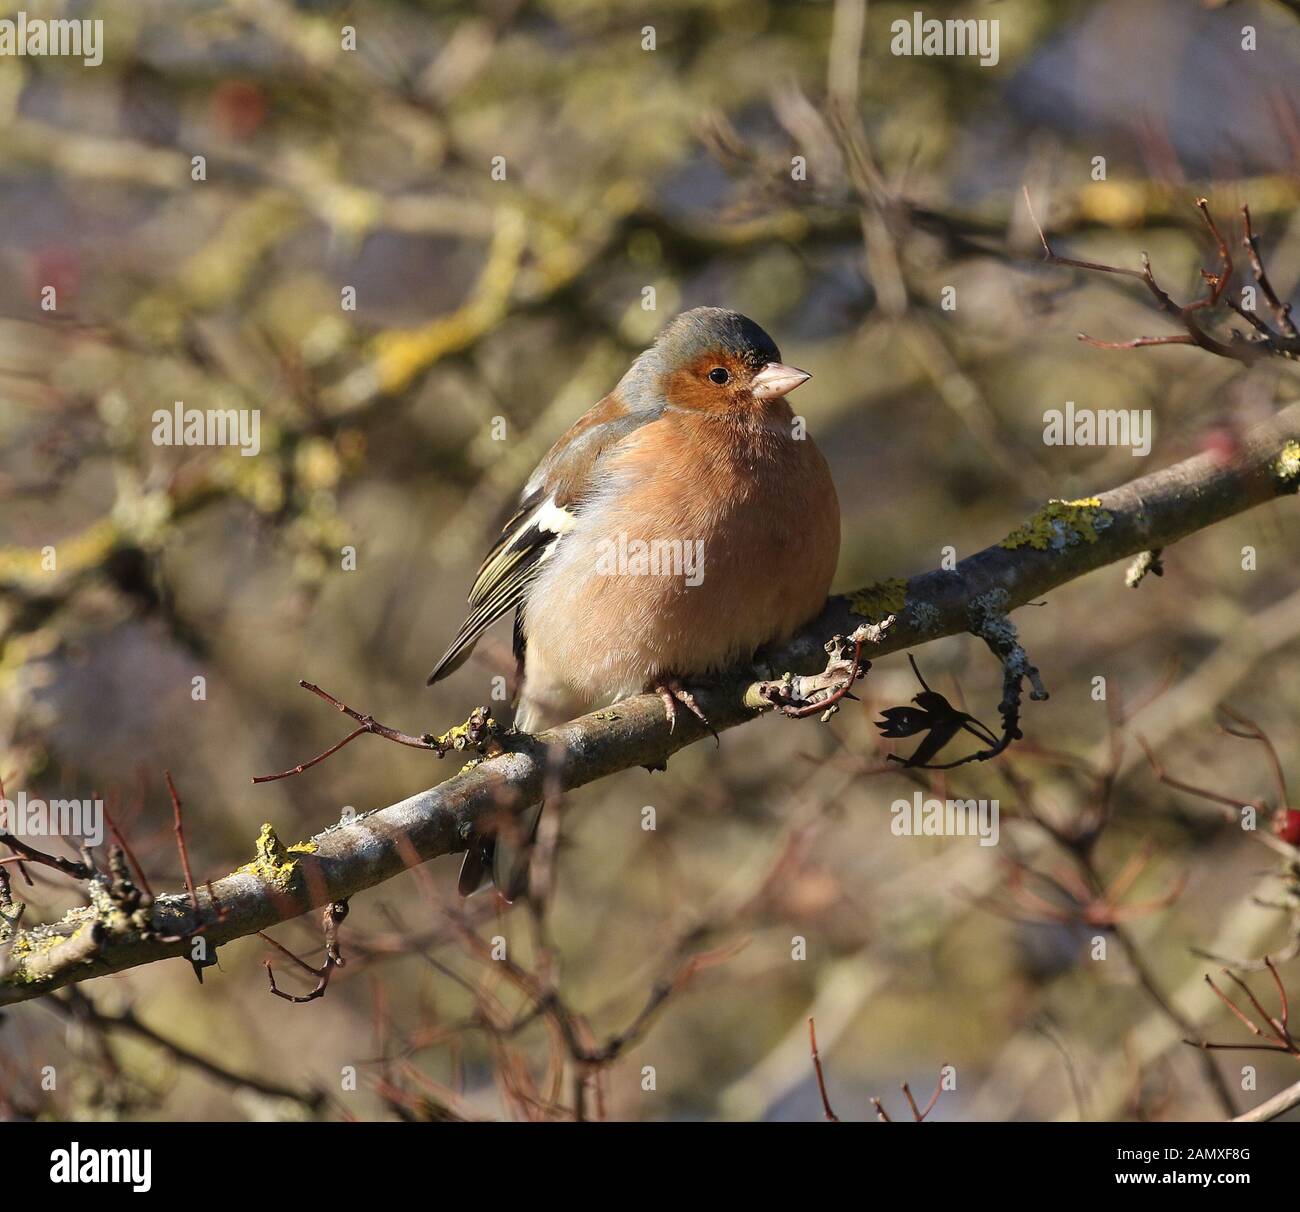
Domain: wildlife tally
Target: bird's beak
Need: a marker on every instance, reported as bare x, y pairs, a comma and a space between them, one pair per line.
776, 379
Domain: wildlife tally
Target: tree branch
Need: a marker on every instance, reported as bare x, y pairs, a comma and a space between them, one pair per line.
1279, 1104
1063, 541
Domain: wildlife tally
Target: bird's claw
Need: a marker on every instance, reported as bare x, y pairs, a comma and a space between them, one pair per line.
672, 692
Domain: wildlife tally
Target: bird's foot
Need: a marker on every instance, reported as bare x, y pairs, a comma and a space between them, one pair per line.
672, 692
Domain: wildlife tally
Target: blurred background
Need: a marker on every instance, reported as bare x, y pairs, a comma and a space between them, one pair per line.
518, 195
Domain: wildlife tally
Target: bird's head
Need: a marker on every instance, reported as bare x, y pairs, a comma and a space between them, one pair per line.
716, 361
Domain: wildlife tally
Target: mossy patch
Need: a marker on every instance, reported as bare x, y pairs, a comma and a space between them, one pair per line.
880, 600
1060, 524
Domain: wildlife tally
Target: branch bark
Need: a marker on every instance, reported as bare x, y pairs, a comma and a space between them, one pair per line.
1279, 1104
1063, 541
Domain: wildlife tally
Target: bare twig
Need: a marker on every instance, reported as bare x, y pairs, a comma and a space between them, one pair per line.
821, 1077
179, 826
24, 851
1274, 1030
1262, 341
333, 918
477, 732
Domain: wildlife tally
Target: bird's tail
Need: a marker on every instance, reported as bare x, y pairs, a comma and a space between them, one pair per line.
506, 859
505, 855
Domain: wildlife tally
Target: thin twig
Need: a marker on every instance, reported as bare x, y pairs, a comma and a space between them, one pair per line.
821, 1077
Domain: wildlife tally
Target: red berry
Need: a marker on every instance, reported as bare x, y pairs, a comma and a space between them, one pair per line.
1287, 825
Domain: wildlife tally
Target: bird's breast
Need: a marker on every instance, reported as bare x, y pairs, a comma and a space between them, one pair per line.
699, 544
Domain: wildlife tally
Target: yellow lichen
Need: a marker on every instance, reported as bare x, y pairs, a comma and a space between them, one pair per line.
69, 555
401, 354
30, 944
479, 732
880, 600
1060, 524
273, 863
1287, 466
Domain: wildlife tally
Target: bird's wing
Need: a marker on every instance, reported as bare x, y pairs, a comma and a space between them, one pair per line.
549, 506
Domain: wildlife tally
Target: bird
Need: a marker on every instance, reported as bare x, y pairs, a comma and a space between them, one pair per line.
681, 524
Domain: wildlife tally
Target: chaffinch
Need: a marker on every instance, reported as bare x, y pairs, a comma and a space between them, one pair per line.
679, 525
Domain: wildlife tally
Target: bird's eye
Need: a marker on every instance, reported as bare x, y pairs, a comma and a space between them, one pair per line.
719, 375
